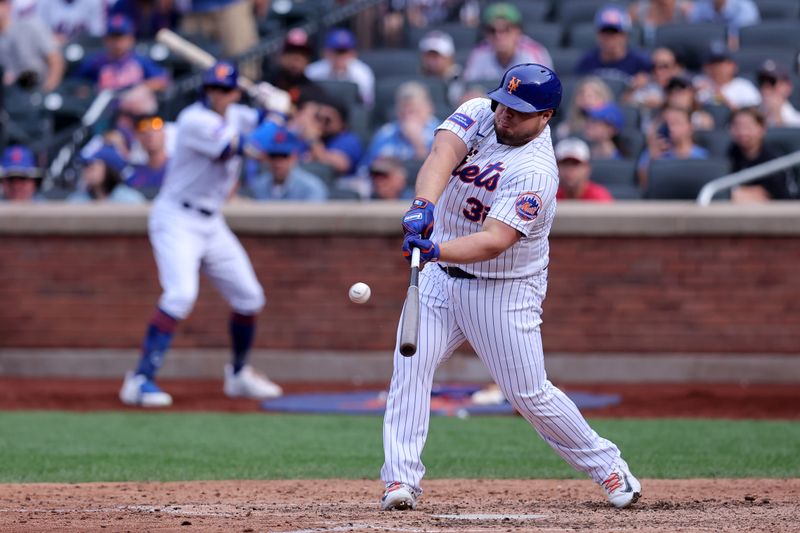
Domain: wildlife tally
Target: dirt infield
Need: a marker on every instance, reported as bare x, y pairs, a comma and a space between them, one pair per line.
646, 401
448, 506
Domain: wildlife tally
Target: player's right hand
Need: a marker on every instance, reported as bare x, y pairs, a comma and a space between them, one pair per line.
418, 220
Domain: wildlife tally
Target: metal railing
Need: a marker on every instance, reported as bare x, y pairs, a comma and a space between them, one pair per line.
745, 176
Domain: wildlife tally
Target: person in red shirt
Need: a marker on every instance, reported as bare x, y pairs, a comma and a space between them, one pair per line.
574, 169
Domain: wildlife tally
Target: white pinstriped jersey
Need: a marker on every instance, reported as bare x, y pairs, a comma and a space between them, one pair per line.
513, 184
195, 172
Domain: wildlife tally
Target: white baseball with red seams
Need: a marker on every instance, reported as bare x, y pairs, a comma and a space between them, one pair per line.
498, 312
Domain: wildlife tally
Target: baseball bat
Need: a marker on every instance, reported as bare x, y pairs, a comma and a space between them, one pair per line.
409, 327
194, 54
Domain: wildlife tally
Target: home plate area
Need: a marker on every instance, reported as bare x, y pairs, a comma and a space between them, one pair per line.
447, 399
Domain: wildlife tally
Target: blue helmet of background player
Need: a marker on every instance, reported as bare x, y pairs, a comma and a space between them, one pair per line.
222, 75
528, 88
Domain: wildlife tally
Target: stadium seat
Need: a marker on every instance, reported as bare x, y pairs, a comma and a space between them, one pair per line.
346, 91
618, 176
690, 42
533, 10
750, 59
324, 172
565, 60
29, 122
463, 36
339, 193
548, 35
715, 141
584, 36
631, 142
412, 169
569, 12
391, 61
682, 179
778, 9
785, 140
781, 33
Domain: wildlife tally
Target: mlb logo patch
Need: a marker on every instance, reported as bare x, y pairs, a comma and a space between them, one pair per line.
462, 120
528, 205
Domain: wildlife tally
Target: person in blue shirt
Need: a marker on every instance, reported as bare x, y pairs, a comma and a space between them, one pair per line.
119, 66
277, 149
411, 135
102, 180
148, 16
323, 125
669, 138
613, 58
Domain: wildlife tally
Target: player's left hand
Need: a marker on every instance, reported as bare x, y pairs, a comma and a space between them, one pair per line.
271, 98
428, 250
418, 220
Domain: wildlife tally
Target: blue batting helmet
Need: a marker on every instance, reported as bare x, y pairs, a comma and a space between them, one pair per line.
528, 88
223, 74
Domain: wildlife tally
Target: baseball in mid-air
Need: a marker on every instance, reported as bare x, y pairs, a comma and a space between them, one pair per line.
360, 293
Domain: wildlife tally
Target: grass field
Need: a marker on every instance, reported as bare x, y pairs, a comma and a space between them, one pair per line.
112, 446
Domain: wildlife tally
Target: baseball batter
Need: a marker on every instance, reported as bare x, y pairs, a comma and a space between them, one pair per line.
493, 177
189, 235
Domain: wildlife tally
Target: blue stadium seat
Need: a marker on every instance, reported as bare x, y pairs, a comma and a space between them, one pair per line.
716, 141
548, 35
569, 12
778, 9
690, 42
781, 33
391, 61
565, 60
584, 36
618, 176
533, 10
463, 36
785, 140
750, 59
682, 179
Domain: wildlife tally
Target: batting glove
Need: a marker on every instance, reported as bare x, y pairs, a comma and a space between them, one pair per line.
418, 220
428, 250
271, 98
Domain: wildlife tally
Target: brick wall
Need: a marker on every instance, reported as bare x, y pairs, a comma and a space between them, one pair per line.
607, 294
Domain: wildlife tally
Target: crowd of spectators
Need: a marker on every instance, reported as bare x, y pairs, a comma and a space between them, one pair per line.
364, 118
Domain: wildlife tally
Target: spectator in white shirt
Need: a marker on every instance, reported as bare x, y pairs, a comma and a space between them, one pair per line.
720, 85
340, 62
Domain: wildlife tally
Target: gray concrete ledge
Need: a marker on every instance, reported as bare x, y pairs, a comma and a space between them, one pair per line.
659, 219
373, 367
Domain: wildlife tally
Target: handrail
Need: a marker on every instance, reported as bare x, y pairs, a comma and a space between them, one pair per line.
67, 152
746, 175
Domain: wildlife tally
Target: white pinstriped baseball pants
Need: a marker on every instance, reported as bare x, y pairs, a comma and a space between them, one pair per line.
500, 319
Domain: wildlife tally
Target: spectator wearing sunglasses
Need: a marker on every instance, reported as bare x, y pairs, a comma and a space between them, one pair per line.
147, 177
20, 175
277, 149
322, 123
505, 45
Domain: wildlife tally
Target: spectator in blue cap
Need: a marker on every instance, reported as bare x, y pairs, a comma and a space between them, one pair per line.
20, 175
603, 125
340, 62
119, 66
277, 149
613, 58
102, 179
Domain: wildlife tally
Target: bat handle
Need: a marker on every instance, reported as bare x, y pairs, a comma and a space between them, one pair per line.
415, 258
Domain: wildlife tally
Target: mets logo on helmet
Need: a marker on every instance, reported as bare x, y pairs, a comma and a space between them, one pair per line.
222, 71
528, 205
513, 84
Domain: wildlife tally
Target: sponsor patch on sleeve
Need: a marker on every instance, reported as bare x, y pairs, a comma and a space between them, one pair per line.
528, 205
462, 120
